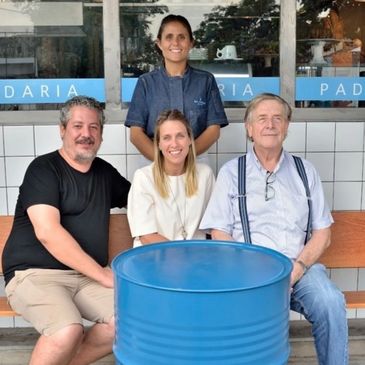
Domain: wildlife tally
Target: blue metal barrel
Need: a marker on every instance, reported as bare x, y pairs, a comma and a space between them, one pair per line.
201, 302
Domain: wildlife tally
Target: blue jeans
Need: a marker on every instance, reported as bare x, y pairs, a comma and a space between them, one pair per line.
323, 305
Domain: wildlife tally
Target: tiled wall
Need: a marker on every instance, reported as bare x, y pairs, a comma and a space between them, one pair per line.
336, 149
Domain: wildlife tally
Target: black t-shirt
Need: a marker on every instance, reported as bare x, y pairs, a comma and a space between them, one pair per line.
84, 201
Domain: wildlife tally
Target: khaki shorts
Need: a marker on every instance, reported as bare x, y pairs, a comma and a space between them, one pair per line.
53, 299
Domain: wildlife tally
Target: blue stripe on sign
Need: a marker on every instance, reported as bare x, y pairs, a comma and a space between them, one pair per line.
330, 88
41, 91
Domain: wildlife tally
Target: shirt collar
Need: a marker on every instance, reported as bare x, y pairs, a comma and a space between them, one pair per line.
186, 73
252, 155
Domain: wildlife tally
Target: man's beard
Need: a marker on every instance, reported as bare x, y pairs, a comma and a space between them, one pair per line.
86, 156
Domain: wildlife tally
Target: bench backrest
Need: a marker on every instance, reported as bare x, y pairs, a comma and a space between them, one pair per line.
348, 241
346, 250
120, 238
6, 222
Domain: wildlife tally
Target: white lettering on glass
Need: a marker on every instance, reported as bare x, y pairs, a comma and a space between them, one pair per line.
324, 88
340, 90
356, 89
72, 91
353, 90
247, 90
9, 91
221, 89
27, 92
44, 91
39, 92
231, 89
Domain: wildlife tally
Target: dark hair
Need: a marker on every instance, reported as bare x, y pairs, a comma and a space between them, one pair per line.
173, 18
80, 100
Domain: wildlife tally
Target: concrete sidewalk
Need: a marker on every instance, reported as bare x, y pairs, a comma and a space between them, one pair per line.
16, 345
302, 344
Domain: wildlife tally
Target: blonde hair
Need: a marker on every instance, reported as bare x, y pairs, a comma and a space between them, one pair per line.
159, 174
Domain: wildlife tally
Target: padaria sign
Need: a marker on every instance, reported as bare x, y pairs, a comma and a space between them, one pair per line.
42, 91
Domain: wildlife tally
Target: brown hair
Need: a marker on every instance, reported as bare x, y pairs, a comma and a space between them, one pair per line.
173, 18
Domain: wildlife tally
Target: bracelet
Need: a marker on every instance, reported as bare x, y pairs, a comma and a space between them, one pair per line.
303, 265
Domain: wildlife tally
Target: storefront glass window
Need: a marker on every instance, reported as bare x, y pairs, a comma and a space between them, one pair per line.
249, 28
48, 46
330, 50
48, 40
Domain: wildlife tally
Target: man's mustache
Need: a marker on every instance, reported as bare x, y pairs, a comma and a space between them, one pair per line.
85, 140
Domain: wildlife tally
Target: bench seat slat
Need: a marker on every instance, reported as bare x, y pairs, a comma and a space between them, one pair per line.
355, 299
5, 309
347, 249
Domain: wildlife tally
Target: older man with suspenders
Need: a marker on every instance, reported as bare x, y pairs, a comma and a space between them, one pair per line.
274, 199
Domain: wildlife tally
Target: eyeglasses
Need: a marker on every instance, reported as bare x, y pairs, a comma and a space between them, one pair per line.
269, 190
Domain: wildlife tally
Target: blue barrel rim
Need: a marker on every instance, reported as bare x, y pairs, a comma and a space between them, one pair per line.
287, 263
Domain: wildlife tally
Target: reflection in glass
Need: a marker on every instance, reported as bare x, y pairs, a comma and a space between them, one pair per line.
232, 38
50, 39
330, 39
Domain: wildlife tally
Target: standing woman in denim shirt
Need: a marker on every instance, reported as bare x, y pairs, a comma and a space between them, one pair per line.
175, 85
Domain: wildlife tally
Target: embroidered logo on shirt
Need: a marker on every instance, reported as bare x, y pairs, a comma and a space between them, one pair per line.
199, 102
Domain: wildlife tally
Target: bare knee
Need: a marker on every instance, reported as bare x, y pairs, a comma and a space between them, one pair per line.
58, 348
68, 337
110, 328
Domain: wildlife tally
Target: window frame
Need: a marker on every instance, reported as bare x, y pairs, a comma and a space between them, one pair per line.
113, 107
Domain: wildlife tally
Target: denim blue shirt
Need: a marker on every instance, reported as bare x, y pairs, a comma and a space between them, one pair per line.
195, 94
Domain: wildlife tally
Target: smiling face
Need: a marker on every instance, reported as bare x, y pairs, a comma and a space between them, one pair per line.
81, 136
174, 143
268, 126
175, 43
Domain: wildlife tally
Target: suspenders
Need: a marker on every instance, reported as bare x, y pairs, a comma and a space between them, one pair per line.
242, 200
300, 167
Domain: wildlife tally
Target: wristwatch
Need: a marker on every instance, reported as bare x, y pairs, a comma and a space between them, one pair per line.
303, 265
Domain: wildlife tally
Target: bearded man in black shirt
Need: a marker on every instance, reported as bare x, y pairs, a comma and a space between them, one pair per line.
55, 259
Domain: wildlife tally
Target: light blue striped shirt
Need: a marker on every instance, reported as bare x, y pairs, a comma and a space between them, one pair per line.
279, 223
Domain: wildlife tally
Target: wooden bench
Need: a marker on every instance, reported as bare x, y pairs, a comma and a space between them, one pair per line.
347, 249
120, 239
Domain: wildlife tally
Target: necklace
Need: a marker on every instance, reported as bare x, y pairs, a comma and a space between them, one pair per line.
182, 221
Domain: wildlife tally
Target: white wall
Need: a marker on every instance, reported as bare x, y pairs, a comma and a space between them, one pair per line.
335, 148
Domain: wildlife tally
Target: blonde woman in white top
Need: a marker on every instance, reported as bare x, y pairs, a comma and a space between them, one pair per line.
167, 199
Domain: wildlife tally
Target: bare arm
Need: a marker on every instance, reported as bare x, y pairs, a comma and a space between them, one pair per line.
142, 142
61, 245
207, 138
311, 252
221, 235
152, 238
